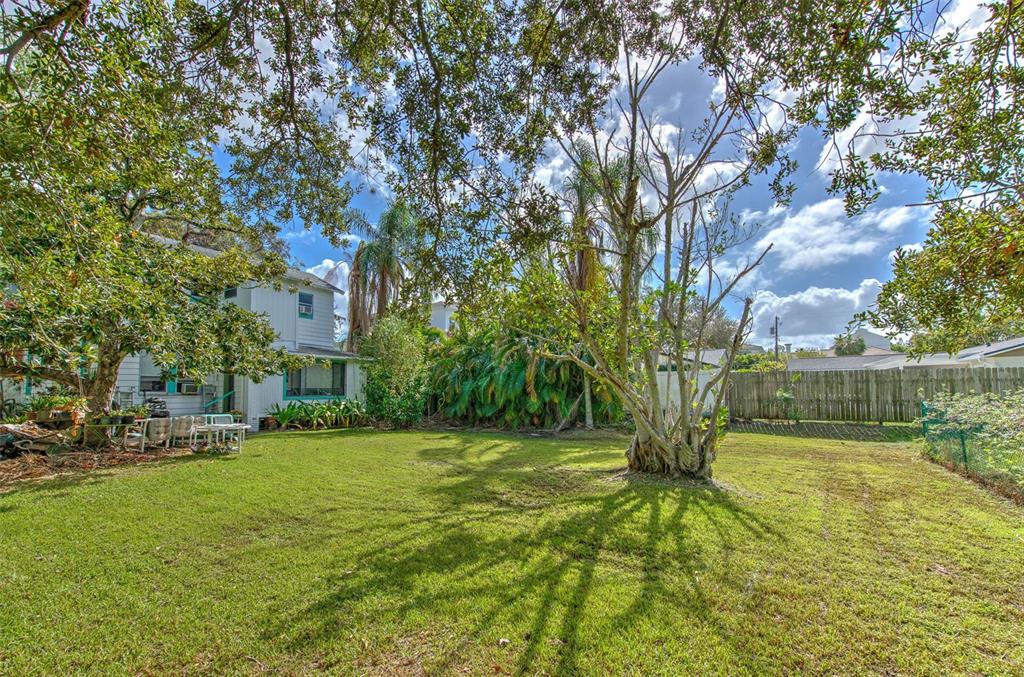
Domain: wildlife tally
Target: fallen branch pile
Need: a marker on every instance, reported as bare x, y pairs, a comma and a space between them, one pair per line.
35, 466
31, 437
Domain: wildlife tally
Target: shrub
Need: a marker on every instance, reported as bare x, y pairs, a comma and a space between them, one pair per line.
984, 432
489, 378
760, 362
396, 392
846, 345
336, 413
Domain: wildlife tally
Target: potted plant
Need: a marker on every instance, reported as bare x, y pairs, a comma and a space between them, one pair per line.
139, 411
40, 407
237, 414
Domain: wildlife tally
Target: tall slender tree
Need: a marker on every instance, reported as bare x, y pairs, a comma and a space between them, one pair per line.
379, 268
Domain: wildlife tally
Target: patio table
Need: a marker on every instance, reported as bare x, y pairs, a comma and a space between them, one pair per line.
220, 431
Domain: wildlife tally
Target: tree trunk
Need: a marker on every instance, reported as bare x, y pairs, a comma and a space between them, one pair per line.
588, 408
100, 388
647, 456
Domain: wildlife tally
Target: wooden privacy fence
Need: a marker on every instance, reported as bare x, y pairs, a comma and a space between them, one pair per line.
861, 395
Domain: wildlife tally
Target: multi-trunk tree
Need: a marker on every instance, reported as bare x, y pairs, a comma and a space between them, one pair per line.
649, 264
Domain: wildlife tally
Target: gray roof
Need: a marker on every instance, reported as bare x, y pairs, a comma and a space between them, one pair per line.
932, 360
849, 363
990, 349
318, 351
965, 358
312, 280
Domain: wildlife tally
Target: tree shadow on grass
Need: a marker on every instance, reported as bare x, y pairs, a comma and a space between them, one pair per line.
583, 527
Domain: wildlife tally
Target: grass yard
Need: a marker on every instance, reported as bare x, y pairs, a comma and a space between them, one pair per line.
365, 553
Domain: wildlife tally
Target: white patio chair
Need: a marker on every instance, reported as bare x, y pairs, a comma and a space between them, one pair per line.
135, 436
224, 436
158, 431
182, 428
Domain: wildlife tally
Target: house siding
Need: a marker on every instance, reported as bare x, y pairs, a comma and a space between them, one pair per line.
253, 399
282, 312
318, 330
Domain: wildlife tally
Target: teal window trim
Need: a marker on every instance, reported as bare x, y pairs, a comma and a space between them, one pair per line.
286, 396
28, 379
303, 314
172, 383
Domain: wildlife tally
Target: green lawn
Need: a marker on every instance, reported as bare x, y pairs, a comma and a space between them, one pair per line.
409, 553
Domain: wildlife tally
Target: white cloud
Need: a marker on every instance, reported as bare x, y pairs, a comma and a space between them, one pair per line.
966, 16
910, 247
817, 235
336, 273
892, 219
552, 170
812, 317
821, 234
299, 235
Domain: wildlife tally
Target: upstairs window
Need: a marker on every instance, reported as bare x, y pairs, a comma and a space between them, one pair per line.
152, 384
306, 305
231, 292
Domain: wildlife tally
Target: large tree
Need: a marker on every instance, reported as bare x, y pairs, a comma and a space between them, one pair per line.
214, 123
662, 196
107, 180
664, 192
947, 104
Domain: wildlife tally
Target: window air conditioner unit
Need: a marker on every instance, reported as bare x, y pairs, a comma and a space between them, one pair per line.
188, 388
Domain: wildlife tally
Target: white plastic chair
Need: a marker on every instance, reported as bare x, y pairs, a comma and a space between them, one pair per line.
158, 431
136, 437
182, 428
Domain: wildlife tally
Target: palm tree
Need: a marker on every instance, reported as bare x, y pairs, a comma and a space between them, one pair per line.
580, 192
378, 269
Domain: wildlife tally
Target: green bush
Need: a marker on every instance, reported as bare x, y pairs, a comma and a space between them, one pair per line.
319, 415
396, 376
487, 378
982, 432
759, 362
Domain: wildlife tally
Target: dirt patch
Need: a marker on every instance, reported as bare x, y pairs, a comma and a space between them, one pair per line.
41, 466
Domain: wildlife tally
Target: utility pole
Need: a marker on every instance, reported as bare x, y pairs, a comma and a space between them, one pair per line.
775, 333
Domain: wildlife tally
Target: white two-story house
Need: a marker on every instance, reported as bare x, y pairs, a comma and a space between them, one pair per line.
302, 313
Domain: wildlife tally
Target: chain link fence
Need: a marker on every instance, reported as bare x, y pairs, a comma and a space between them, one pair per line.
976, 440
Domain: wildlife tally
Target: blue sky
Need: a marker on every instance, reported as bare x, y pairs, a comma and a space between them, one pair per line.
824, 267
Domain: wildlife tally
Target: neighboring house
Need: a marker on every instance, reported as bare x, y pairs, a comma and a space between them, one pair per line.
1009, 353
871, 339
874, 344
441, 316
302, 313
848, 363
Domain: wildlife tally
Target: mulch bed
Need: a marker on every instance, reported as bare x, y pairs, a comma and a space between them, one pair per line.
37, 466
